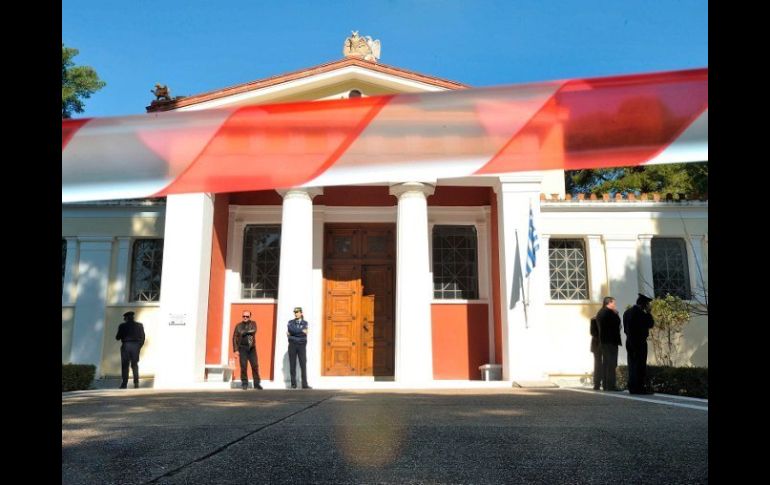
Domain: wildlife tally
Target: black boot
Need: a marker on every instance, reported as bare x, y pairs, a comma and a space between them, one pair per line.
256, 385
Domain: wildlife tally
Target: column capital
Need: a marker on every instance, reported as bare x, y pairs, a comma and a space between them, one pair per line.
645, 237
300, 192
412, 189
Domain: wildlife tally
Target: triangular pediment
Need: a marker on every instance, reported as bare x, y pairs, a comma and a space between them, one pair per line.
334, 80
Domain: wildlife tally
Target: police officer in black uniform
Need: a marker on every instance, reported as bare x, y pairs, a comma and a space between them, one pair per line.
131, 333
297, 333
637, 322
245, 345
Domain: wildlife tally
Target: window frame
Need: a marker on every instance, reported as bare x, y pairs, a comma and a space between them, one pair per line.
131, 261
586, 266
473, 277
242, 289
687, 285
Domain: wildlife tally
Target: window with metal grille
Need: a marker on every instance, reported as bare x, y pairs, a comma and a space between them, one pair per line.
146, 266
455, 263
567, 264
670, 272
261, 261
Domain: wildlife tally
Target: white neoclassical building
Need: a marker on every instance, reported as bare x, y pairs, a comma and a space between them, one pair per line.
404, 284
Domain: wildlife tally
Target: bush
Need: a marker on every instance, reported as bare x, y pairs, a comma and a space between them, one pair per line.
75, 377
679, 381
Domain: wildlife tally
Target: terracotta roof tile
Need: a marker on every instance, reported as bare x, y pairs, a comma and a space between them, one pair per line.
291, 76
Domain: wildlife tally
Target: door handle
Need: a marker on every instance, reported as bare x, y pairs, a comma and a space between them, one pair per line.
366, 329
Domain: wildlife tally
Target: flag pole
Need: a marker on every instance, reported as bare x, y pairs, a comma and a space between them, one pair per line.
526, 297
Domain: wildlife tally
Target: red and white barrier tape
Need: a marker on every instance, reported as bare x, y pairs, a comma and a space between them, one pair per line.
574, 124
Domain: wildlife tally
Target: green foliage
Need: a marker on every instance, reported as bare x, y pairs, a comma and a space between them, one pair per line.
75, 377
678, 381
671, 314
690, 179
77, 83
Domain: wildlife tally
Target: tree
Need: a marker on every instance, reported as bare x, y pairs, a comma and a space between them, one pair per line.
671, 314
77, 83
675, 178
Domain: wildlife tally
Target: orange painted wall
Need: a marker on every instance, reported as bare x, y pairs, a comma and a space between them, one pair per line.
217, 280
258, 197
459, 196
460, 340
496, 303
264, 315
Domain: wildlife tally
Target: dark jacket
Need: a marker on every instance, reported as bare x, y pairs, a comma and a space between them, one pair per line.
131, 331
637, 324
609, 327
295, 330
595, 336
244, 335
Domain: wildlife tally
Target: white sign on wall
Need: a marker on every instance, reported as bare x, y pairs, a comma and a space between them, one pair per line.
177, 318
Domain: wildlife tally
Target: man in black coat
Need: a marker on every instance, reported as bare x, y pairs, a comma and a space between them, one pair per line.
637, 322
131, 333
596, 349
608, 322
245, 345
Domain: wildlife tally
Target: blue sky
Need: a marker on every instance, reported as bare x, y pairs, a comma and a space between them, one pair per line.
195, 46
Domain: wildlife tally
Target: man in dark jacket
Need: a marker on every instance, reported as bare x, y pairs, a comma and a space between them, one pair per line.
245, 345
131, 333
596, 349
297, 333
609, 336
637, 322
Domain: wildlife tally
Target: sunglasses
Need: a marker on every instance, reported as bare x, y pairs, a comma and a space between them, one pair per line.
245, 316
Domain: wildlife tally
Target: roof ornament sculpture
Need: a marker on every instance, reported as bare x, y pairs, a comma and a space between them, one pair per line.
362, 47
161, 92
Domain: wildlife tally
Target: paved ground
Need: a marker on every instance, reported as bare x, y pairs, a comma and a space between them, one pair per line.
479, 436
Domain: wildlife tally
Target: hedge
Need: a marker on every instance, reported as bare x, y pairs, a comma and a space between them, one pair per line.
679, 381
75, 377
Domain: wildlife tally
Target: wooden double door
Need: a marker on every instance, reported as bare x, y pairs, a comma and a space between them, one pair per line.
359, 279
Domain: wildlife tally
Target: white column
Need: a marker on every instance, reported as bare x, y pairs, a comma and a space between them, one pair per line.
698, 275
120, 285
413, 339
623, 276
184, 297
70, 274
597, 268
93, 277
524, 348
316, 318
295, 281
545, 281
646, 284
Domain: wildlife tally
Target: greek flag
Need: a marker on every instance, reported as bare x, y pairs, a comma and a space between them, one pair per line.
532, 244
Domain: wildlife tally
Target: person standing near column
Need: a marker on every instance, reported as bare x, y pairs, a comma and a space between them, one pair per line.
637, 322
608, 321
297, 333
596, 349
245, 345
131, 333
